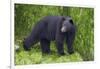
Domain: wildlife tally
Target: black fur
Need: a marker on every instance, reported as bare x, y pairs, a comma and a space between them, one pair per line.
49, 29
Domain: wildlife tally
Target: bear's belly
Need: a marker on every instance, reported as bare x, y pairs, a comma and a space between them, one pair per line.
48, 35
51, 35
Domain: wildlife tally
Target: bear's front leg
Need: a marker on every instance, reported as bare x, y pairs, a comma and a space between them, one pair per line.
60, 48
60, 42
70, 39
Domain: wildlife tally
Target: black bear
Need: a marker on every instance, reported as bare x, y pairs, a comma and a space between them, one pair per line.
52, 28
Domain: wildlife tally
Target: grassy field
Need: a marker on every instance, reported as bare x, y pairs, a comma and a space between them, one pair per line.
28, 15
36, 57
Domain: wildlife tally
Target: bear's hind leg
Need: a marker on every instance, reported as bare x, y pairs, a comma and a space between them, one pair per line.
45, 46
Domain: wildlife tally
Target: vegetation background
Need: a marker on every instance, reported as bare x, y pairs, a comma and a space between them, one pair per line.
26, 16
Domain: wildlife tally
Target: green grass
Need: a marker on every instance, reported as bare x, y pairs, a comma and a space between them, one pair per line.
36, 57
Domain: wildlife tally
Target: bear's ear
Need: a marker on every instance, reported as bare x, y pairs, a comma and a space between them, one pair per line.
71, 21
